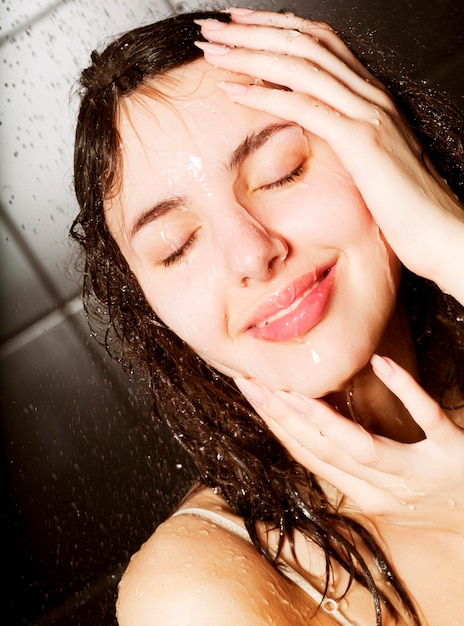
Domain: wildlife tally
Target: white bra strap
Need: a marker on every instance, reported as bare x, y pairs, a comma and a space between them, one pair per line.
328, 605
218, 519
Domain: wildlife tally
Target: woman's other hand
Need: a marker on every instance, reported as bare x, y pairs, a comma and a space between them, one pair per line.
419, 484
313, 79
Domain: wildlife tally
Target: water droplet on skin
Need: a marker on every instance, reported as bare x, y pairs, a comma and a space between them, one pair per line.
375, 121
292, 68
450, 502
315, 69
411, 507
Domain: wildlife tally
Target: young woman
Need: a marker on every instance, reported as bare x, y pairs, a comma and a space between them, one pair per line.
259, 224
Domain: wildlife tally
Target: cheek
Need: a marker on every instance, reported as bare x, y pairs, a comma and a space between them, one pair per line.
331, 213
190, 308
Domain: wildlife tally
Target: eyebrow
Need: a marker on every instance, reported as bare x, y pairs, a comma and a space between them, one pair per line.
253, 142
157, 211
250, 144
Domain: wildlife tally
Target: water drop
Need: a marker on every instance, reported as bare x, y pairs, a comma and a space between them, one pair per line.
450, 502
329, 605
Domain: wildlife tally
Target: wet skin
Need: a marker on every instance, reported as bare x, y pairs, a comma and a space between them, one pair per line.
229, 229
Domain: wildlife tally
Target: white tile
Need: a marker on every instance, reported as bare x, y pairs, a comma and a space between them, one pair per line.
15, 13
22, 294
38, 68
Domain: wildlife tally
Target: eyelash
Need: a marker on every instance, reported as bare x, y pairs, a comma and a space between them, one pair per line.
179, 253
285, 180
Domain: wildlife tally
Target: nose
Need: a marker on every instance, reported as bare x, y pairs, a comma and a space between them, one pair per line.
252, 251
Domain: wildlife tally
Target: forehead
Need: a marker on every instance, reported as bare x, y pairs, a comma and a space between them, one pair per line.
182, 115
173, 132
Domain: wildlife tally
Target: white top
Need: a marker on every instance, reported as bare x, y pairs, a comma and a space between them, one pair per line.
327, 604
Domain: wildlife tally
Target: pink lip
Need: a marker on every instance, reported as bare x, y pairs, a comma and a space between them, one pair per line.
305, 316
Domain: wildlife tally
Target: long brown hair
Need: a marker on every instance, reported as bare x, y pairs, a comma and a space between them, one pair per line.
232, 449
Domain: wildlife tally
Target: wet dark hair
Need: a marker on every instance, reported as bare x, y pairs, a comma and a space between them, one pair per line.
233, 450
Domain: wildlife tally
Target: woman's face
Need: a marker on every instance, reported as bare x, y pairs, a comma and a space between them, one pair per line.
248, 237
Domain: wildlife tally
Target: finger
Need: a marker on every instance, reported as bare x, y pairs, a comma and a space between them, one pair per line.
309, 113
424, 410
321, 431
319, 30
368, 497
295, 423
300, 76
341, 431
296, 74
291, 42
373, 133
388, 459
295, 426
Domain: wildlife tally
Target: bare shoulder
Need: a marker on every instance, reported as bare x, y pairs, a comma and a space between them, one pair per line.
192, 572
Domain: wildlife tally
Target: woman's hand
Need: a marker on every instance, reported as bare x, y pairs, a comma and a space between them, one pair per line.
314, 80
419, 484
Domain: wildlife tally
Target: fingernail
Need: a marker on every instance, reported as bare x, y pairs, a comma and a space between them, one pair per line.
233, 89
382, 366
302, 405
212, 48
238, 11
211, 24
251, 391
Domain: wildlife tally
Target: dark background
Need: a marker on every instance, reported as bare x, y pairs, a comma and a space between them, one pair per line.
86, 475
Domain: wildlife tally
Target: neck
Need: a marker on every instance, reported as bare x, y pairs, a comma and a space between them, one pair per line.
368, 401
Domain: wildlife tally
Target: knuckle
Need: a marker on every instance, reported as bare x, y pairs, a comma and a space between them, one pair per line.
323, 26
365, 458
383, 98
317, 29
436, 413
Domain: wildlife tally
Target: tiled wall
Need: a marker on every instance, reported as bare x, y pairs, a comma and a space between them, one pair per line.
86, 476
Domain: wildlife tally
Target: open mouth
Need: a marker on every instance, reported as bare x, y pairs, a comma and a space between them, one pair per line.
295, 304
296, 309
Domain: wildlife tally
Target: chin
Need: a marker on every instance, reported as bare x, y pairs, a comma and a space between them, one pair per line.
333, 373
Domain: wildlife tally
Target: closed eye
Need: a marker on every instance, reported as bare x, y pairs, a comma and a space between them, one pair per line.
180, 252
285, 180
